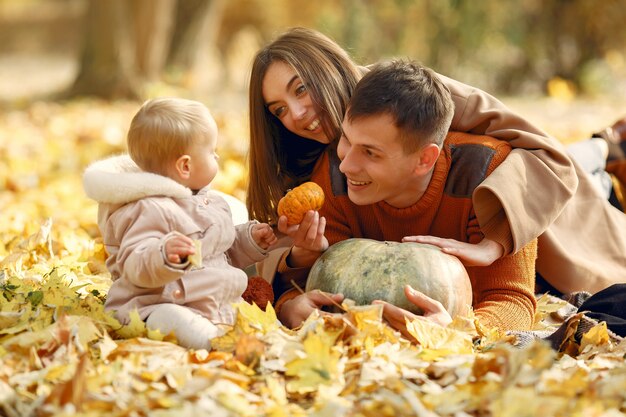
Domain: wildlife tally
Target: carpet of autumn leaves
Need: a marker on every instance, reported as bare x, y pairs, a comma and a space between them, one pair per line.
61, 354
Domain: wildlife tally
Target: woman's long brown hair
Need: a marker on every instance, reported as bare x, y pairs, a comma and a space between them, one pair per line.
278, 159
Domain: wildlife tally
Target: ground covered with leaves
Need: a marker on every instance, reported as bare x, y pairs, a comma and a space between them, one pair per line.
62, 354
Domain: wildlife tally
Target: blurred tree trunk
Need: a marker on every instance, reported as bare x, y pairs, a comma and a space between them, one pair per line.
107, 64
154, 24
197, 24
129, 42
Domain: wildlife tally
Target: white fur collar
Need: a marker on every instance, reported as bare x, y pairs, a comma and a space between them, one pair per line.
118, 180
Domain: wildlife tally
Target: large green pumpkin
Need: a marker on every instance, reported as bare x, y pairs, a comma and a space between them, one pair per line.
365, 270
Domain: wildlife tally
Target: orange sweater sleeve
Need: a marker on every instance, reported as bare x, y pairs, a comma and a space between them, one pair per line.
286, 276
504, 291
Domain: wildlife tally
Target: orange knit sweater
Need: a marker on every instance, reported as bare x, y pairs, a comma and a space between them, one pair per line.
503, 292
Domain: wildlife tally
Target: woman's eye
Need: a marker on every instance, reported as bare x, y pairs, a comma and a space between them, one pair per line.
278, 111
300, 90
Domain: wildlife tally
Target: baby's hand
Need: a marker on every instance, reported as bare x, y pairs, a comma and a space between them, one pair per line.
263, 235
178, 247
483, 253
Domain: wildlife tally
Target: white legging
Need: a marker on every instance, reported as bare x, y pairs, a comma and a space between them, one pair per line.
191, 329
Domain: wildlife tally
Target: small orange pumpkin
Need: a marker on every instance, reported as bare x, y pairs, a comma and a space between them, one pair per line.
295, 204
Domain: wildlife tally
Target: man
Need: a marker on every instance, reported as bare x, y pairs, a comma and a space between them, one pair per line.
392, 177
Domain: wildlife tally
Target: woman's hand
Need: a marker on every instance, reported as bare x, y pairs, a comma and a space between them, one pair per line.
483, 253
308, 239
296, 310
178, 247
433, 311
309, 234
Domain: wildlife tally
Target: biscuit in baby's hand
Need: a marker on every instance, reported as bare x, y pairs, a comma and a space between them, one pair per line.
195, 260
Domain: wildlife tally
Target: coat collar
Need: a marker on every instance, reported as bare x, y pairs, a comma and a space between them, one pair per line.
118, 180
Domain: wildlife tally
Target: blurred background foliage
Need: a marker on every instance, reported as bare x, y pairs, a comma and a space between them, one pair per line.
120, 48
73, 72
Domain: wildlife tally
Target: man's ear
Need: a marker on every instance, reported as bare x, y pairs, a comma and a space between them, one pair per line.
427, 156
182, 166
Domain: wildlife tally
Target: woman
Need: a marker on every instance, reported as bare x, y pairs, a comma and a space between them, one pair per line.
299, 90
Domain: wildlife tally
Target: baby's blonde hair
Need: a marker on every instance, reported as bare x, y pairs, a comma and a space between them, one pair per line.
164, 129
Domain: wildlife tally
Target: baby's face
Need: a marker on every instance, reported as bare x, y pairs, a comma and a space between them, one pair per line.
204, 164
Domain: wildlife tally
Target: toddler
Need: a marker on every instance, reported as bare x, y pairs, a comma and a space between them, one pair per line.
153, 204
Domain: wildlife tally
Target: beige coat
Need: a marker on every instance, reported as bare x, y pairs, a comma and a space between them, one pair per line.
138, 211
537, 191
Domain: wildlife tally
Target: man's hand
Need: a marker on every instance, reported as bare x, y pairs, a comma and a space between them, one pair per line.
433, 311
263, 235
483, 253
296, 310
178, 247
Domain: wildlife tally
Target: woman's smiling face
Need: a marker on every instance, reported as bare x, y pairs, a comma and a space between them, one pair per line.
288, 99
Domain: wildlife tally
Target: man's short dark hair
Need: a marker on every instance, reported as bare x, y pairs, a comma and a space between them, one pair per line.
412, 94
